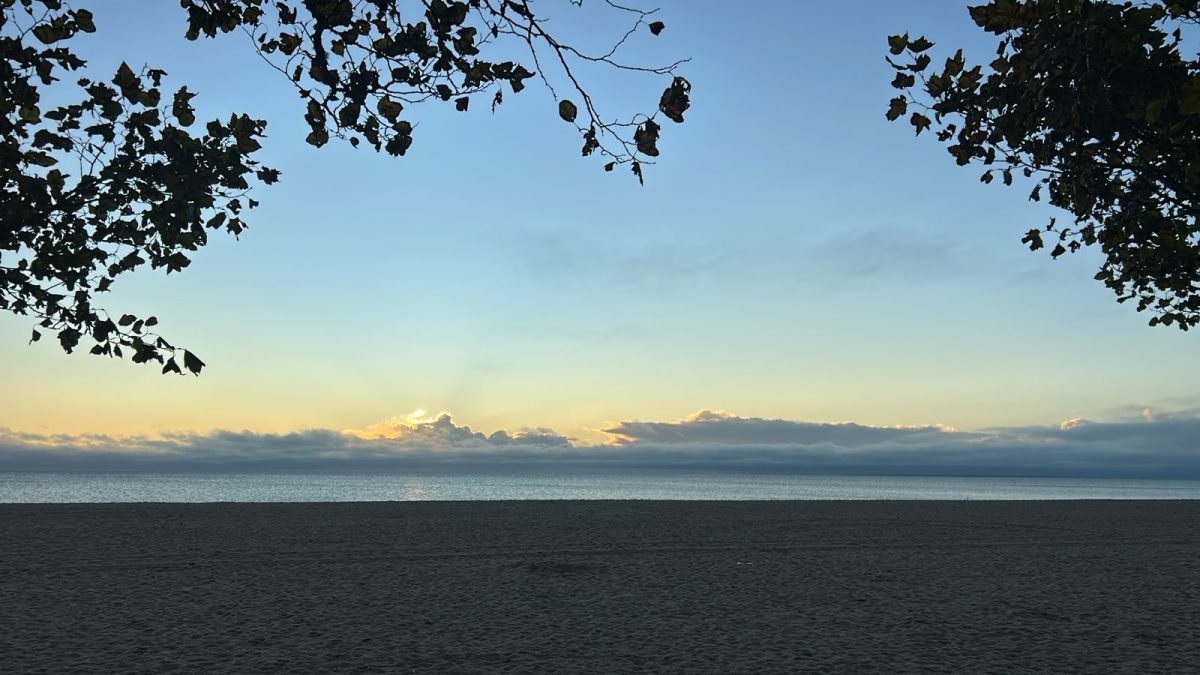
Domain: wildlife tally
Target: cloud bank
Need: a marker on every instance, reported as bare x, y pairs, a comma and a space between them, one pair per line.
1149, 446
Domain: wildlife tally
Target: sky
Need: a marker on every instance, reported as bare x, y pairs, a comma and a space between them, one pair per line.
794, 264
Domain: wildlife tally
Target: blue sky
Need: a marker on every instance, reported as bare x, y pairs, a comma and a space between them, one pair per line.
792, 256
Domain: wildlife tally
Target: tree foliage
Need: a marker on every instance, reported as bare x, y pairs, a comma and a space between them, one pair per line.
125, 176
1097, 103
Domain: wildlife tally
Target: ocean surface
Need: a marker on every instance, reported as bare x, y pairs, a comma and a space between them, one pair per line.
19, 487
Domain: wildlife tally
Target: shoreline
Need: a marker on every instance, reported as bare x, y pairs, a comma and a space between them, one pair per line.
509, 586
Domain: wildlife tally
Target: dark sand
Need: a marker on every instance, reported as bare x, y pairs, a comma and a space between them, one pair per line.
601, 586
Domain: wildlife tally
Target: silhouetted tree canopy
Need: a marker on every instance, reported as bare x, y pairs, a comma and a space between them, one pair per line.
1095, 101
124, 175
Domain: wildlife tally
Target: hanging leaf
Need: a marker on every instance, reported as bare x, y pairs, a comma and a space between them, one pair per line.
919, 45
567, 110
646, 138
193, 364
920, 122
676, 99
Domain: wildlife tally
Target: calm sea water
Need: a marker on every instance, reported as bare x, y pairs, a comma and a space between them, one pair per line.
16, 487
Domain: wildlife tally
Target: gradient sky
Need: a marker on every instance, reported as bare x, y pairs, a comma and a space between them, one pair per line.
792, 256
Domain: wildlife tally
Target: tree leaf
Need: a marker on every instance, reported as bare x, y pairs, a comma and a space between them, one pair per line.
904, 80
919, 45
389, 108
69, 339
40, 159
83, 20
317, 137
676, 99
567, 110
920, 122
193, 364
646, 138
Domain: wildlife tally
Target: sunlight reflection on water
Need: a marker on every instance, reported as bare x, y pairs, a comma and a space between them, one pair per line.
18, 487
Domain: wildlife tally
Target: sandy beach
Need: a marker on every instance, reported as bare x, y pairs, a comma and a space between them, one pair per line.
601, 587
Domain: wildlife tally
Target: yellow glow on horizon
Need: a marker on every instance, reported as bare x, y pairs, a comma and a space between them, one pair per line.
396, 427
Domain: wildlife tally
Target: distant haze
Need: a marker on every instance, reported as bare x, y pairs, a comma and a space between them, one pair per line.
1166, 446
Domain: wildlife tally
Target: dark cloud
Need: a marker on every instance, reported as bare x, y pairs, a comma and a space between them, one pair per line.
1149, 446
708, 426
398, 442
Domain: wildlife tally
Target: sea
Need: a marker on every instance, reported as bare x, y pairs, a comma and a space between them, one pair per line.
26, 488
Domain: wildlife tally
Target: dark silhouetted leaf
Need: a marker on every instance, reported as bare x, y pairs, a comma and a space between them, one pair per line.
69, 339
318, 137
567, 110
646, 138
193, 364
920, 122
919, 45
83, 20
676, 99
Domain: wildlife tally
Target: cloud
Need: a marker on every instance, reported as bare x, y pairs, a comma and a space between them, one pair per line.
1161, 445
719, 427
413, 440
562, 260
419, 431
884, 254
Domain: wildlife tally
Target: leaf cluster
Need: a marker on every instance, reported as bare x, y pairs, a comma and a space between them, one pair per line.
359, 67
1097, 104
104, 185
123, 178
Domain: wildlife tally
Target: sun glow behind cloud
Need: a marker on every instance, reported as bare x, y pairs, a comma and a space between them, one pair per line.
397, 427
